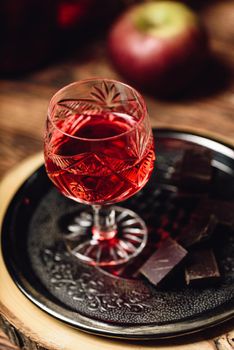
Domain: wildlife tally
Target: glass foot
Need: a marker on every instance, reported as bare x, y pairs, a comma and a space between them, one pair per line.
128, 242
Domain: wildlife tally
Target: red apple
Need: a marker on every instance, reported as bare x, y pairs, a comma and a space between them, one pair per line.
158, 45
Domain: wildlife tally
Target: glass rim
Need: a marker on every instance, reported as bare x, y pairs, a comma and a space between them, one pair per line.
82, 81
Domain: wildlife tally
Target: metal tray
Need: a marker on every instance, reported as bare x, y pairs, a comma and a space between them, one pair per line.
96, 301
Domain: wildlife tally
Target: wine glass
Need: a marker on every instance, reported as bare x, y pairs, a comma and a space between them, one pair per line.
99, 150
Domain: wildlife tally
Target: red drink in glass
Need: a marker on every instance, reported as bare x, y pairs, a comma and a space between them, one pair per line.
110, 173
99, 150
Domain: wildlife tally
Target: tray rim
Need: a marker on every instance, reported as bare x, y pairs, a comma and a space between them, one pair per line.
154, 331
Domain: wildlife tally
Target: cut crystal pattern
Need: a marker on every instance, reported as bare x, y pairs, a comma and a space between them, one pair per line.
106, 94
81, 106
131, 240
101, 95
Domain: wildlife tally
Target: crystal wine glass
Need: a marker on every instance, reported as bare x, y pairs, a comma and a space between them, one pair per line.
99, 150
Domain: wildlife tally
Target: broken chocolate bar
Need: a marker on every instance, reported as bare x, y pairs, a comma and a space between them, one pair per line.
222, 210
195, 172
163, 261
199, 229
202, 268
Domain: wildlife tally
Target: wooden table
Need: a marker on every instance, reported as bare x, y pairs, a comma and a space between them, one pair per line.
208, 108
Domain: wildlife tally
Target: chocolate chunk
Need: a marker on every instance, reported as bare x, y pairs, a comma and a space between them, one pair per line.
222, 210
163, 261
195, 170
199, 229
202, 268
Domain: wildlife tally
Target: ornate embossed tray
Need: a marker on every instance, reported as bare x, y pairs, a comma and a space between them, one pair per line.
113, 303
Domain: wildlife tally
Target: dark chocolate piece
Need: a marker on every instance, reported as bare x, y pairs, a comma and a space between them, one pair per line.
222, 210
195, 172
201, 268
199, 229
163, 261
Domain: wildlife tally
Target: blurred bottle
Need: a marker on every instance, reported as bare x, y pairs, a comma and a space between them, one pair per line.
32, 32
27, 29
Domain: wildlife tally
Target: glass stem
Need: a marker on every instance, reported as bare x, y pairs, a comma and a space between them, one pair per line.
104, 227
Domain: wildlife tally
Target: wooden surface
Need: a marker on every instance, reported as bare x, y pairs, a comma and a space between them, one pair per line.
207, 108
